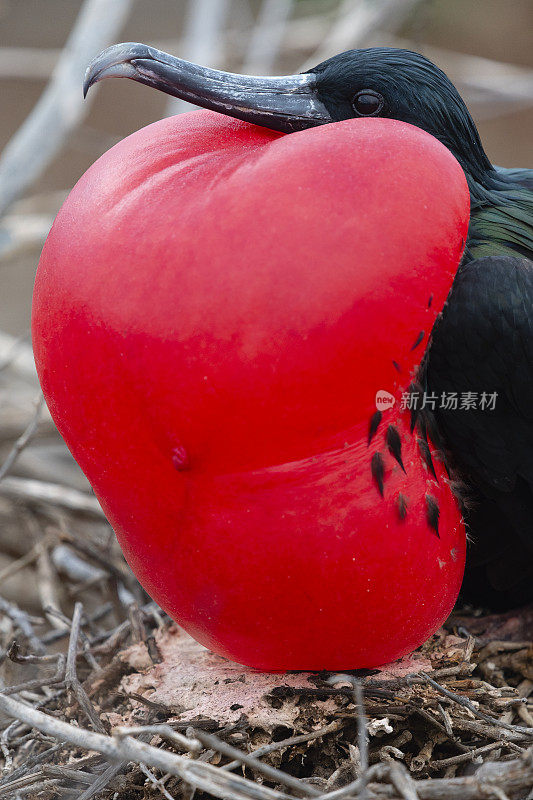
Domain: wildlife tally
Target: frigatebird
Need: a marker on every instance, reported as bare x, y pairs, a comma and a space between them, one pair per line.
482, 343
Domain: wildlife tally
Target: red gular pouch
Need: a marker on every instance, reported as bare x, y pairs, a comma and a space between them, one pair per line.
216, 308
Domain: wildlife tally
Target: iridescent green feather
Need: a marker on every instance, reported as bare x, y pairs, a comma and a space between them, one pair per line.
501, 221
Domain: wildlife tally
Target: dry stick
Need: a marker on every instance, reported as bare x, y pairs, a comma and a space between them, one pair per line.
18, 783
123, 574
493, 779
497, 647
463, 701
14, 655
165, 732
138, 632
214, 743
160, 707
27, 559
17, 354
112, 639
402, 781
71, 676
362, 739
485, 731
425, 715
354, 788
70, 672
58, 771
31, 762
38, 683
273, 747
37, 788
419, 762
20, 563
48, 586
446, 719
77, 569
462, 757
23, 440
102, 780
22, 621
204, 777
20, 232
13, 731
156, 783
106, 776
513, 776
56, 635
82, 636
61, 105
35, 491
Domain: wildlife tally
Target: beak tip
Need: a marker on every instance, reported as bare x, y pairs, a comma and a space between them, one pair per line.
88, 81
91, 76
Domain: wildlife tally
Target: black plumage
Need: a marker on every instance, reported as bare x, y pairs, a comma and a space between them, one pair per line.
484, 343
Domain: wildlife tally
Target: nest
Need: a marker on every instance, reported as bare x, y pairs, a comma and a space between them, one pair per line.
103, 696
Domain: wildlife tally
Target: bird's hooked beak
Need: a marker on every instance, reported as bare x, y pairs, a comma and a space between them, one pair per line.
289, 103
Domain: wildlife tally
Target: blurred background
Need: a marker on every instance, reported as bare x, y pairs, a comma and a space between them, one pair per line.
54, 542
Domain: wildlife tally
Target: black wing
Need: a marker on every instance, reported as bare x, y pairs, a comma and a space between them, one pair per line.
483, 344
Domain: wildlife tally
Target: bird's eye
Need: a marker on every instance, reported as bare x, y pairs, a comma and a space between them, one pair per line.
368, 103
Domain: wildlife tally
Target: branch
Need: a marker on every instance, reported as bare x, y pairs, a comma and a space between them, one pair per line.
23, 440
61, 105
17, 354
465, 702
20, 232
30, 63
43, 492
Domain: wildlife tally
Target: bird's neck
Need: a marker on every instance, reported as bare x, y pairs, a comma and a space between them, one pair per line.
501, 219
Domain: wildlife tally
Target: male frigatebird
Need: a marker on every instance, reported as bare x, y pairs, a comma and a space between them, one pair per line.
482, 343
